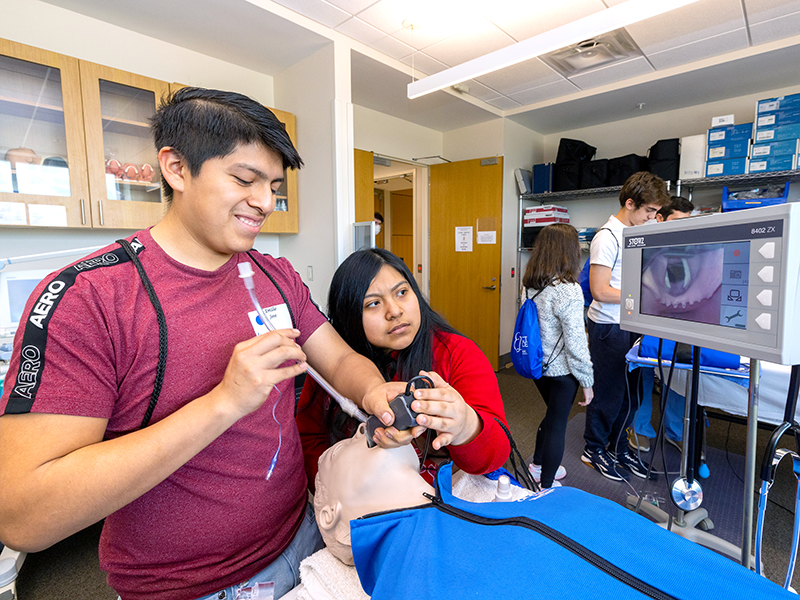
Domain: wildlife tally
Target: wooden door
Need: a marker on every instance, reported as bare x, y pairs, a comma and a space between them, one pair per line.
403, 226
364, 184
465, 285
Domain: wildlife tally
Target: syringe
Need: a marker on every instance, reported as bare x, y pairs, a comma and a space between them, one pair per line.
348, 406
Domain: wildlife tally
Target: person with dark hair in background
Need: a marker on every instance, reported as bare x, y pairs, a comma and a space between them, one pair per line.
152, 404
375, 304
641, 429
551, 280
611, 411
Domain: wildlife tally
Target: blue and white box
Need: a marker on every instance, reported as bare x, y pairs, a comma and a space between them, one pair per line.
778, 148
777, 118
732, 166
782, 132
719, 136
768, 164
789, 102
732, 149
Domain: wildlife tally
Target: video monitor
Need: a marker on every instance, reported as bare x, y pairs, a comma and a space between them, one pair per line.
15, 288
724, 281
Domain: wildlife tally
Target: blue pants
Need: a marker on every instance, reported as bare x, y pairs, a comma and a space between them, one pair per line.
612, 409
673, 412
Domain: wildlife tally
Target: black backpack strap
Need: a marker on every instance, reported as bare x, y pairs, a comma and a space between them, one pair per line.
162, 330
275, 283
521, 472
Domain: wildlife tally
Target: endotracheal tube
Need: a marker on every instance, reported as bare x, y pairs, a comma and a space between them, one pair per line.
348, 406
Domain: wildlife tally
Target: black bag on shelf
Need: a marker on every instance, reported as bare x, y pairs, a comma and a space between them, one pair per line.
529, 236
594, 174
566, 176
665, 150
622, 167
574, 151
664, 158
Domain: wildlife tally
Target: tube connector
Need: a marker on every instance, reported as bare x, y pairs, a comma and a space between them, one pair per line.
246, 274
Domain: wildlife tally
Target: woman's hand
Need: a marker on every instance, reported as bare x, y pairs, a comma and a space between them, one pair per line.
588, 395
376, 402
444, 410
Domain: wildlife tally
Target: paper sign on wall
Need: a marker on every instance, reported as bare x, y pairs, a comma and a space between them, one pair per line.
487, 230
463, 239
13, 213
48, 215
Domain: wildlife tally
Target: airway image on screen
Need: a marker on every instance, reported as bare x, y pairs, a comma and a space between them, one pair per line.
705, 283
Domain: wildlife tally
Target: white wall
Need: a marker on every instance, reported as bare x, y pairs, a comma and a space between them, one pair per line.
45, 26
390, 136
308, 87
476, 141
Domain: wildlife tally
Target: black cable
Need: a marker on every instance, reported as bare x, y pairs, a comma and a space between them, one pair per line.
520, 473
733, 470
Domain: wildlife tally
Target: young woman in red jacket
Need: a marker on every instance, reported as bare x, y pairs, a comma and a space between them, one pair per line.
376, 306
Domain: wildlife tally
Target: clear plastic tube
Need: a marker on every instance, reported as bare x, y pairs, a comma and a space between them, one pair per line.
348, 406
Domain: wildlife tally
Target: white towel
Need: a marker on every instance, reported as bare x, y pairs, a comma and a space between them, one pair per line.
325, 577
477, 488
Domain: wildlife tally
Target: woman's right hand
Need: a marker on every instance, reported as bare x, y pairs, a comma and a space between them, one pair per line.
588, 395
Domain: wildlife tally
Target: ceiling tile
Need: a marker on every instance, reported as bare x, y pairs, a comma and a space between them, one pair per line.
473, 43
503, 103
480, 91
420, 61
317, 10
352, 6
759, 11
686, 25
392, 47
361, 31
545, 92
523, 19
612, 73
700, 49
522, 76
775, 29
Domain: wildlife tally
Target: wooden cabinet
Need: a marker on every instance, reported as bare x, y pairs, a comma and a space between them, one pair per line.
76, 148
43, 169
124, 179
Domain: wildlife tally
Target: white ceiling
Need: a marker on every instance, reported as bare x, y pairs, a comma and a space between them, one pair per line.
707, 51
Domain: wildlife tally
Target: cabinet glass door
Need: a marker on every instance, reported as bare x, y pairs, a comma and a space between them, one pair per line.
124, 177
42, 162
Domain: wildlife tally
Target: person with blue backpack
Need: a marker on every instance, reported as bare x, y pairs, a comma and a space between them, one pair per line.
551, 283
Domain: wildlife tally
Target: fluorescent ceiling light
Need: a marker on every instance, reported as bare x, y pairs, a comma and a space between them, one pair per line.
593, 25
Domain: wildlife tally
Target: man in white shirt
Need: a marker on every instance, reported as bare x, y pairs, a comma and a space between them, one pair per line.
612, 410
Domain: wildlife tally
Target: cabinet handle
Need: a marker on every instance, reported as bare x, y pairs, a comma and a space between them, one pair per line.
490, 287
100, 205
83, 213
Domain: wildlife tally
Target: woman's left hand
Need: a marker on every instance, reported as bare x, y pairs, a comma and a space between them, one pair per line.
444, 410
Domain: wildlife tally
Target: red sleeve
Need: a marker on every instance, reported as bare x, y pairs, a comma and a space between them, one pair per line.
310, 419
464, 366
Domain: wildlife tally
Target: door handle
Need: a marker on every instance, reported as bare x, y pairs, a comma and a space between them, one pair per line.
490, 287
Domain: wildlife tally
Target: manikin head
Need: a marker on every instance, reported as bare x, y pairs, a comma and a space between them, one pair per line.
354, 480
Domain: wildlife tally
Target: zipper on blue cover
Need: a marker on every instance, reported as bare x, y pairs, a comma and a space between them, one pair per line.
560, 539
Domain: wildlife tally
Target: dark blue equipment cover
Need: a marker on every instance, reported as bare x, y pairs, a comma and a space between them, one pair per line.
559, 543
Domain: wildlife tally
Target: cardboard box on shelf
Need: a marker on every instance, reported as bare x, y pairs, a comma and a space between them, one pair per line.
719, 136
732, 166
792, 101
785, 162
731, 149
777, 148
781, 132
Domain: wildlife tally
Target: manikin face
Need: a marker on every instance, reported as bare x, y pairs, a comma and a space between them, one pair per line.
224, 207
354, 480
390, 312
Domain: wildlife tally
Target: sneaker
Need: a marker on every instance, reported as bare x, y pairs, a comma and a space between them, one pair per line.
555, 484
638, 442
536, 472
632, 463
603, 462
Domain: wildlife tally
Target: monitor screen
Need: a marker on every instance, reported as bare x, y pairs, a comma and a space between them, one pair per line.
15, 288
705, 283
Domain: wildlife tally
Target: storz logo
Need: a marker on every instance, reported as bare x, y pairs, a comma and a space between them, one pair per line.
42, 307
30, 365
635, 242
98, 261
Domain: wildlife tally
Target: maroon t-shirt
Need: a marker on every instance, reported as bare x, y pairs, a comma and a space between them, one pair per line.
90, 347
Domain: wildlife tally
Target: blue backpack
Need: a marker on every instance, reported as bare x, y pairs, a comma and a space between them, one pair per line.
526, 347
583, 278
